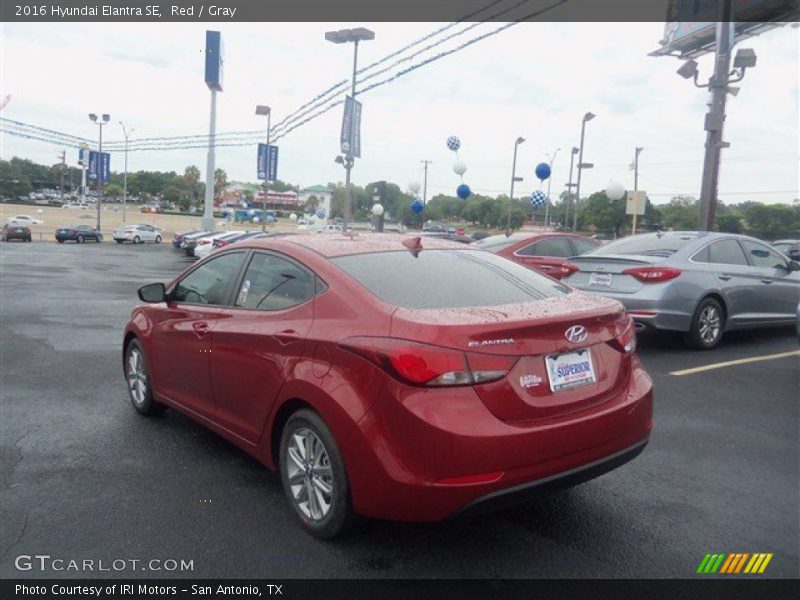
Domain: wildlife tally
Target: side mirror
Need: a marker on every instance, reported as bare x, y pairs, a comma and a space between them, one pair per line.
153, 292
794, 265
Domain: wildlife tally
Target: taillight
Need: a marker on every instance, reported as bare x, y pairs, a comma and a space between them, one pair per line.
626, 341
653, 274
565, 270
203, 242
220, 243
424, 364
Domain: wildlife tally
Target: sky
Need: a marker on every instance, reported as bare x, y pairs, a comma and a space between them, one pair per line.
534, 80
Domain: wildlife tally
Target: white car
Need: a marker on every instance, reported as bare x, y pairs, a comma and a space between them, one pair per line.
205, 245
81, 205
138, 234
25, 220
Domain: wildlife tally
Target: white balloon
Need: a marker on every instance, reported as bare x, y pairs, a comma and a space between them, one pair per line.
256, 220
615, 190
39, 211
251, 212
377, 210
414, 187
293, 217
459, 167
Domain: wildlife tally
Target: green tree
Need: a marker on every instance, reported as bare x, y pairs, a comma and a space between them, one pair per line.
112, 190
681, 213
773, 221
191, 175
220, 181
603, 214
13, 180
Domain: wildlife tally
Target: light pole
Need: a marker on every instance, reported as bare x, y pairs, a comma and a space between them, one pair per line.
99, 122
344, 36
581, 166
265, 110
719, 87
514, 179
126, 132
570, 185
549, 181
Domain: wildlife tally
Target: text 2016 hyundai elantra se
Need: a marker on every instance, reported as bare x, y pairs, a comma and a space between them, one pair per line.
393, 377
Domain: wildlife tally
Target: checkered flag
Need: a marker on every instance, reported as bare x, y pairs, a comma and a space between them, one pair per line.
538, 198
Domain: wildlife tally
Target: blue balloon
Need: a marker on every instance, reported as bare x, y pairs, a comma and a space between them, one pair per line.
417, 207
542, 171
463, 191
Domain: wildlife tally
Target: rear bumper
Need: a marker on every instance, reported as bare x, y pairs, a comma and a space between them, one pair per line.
655, 306
550, 485
413, 457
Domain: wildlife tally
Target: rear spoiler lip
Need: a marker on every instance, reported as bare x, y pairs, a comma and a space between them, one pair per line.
634, 258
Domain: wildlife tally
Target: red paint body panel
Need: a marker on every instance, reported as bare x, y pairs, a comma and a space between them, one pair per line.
398, 440
547, 265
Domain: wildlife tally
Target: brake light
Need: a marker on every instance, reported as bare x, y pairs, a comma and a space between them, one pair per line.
203, 242
220, 243
626, 341
427, 365
653, 274
566, 269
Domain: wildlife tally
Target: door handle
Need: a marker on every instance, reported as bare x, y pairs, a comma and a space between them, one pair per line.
287, 336
545, 267
200, 328
767, 281
725, 277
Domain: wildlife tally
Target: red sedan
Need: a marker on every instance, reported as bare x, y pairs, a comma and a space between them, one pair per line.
393, 377
543, 252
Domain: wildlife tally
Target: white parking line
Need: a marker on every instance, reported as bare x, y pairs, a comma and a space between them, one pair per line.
732, 363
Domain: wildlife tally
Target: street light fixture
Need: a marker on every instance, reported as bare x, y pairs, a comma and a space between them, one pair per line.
517, 142
581, 166
126, 132
99, 122
262, 110
343, 36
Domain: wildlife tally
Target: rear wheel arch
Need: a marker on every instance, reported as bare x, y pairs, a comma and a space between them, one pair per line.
286, 410
721, 300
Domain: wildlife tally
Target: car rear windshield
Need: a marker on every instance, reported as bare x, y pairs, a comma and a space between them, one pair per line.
447, 279
495, 243
649, 245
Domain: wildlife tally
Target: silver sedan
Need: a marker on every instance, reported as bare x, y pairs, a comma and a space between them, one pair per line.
699, 283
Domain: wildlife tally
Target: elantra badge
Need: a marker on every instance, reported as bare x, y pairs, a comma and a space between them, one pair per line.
576, 334
474, 344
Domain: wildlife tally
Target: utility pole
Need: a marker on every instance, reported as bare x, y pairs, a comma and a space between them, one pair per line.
715, 119
636, 185
105, 118
581, 166
570, 185
126, 132
517, 142
425, 182
262, 110
549, 181
63, 157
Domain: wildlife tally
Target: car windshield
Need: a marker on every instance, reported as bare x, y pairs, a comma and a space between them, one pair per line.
647, 245
447, 279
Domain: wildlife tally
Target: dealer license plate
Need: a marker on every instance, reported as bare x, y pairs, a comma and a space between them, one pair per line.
570, 370
600, 279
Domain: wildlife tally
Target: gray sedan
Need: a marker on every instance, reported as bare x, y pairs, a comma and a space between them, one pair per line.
699, 283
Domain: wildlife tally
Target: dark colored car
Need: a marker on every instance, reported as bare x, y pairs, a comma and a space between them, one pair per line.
78, 233
479, 235
790, 248
543, 252
16, 232
461, 239
393, 377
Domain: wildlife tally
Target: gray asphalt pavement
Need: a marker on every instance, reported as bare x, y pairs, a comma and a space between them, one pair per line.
84, 477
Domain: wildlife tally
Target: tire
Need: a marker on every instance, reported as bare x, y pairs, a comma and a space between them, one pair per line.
80, 239
158, 239
708, 324
305, 431
60, 241
99, 238
137, 376
137, 240
29, 240
119, 241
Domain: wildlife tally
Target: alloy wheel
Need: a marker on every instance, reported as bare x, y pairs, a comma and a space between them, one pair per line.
137, 377
309, 474
709, 324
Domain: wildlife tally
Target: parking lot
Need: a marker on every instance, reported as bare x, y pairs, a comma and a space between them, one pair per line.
85, 477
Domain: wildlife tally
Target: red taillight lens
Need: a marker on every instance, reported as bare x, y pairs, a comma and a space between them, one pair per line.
565, 270
626, 341
423, 364
653, 274
203, 242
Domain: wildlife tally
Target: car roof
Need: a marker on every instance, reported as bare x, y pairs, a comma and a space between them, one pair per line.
343, 244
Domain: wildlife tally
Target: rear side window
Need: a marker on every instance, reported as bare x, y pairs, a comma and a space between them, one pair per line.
210, 282
447, 279
726, 252
273, 283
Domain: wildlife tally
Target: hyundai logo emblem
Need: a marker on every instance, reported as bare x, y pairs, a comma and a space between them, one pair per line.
576, 334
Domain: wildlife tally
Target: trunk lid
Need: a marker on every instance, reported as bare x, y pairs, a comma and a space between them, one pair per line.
605, 273
534, 334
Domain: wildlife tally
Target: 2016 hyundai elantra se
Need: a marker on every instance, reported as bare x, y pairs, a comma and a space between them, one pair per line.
390, 376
